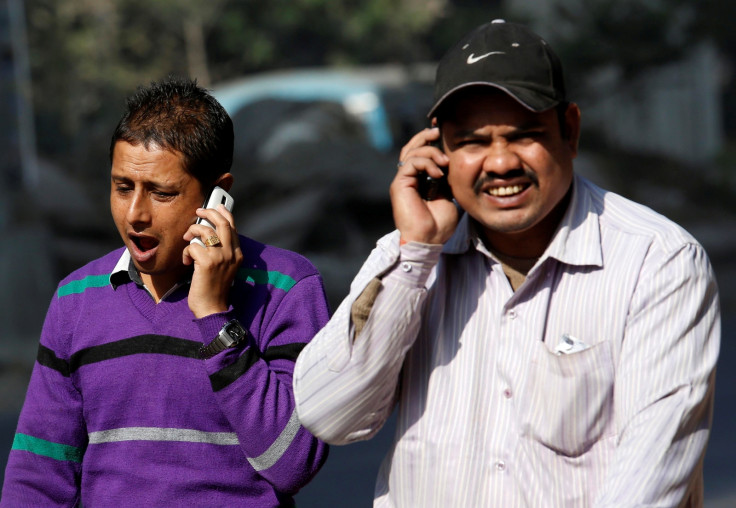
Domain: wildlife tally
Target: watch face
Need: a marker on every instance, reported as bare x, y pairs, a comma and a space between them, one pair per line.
235, 331
230, 335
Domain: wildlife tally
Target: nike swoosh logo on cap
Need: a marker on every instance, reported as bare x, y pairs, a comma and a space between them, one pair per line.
472, 58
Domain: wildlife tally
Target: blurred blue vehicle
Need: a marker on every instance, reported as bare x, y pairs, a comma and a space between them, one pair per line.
360, 94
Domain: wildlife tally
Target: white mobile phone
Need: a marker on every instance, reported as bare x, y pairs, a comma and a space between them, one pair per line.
217, 196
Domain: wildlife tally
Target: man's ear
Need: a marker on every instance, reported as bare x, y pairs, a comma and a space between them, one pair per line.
572, 127
225, 181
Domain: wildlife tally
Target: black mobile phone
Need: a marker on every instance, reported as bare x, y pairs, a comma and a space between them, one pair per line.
433, 188
216, 197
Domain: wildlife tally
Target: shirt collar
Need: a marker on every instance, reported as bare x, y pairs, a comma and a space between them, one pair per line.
125, 271
122, 271
577, 240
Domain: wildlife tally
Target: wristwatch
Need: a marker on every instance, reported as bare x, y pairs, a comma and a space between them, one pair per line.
230, 336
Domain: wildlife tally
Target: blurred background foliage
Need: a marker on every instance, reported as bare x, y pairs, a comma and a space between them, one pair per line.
88, 54
638, 35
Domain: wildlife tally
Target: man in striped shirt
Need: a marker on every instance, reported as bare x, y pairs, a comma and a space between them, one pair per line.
164, 372
548, 343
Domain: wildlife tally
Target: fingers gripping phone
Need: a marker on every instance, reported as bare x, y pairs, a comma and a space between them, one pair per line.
433, 188
218, 196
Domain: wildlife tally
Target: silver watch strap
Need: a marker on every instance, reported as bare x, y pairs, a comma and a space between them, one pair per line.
220, 343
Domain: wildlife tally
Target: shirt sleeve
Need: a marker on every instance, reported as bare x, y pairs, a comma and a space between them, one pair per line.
665, 384
253, 388
45, 461
345, 384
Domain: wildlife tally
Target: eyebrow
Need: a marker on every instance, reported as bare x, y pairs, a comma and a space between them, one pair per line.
147, 184
527, 126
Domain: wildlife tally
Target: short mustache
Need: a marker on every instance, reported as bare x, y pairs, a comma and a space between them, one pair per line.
488, 178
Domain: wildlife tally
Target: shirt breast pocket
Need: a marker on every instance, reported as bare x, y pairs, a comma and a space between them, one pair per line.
568, 399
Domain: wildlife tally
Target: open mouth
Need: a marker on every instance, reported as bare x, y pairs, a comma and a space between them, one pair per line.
144, 243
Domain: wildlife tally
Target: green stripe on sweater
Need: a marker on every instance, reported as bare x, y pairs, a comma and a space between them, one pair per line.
80, 286
276, 279
45, 448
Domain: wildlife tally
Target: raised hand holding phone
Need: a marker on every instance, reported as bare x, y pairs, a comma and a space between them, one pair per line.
418, 218
218, 196
214, 267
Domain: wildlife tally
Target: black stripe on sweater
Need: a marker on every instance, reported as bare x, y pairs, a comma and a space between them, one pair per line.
224, 377
285, 352
161, 344
48, 358
142, 344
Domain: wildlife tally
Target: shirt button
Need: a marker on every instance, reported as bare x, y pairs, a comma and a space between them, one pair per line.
512, 314
507, 393
500, 466
406, 266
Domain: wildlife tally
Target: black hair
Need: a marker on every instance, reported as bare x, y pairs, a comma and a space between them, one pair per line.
177, 114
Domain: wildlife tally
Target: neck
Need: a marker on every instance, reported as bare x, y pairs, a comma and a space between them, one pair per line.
159, 285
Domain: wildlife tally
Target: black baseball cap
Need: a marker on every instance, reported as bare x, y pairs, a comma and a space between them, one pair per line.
506, 56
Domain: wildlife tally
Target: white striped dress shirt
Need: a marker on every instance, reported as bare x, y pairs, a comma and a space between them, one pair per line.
489, 415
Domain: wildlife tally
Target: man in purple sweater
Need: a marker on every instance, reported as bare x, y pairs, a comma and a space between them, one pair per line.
164, 371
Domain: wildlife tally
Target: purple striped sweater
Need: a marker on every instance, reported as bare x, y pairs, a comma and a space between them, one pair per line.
120, 411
